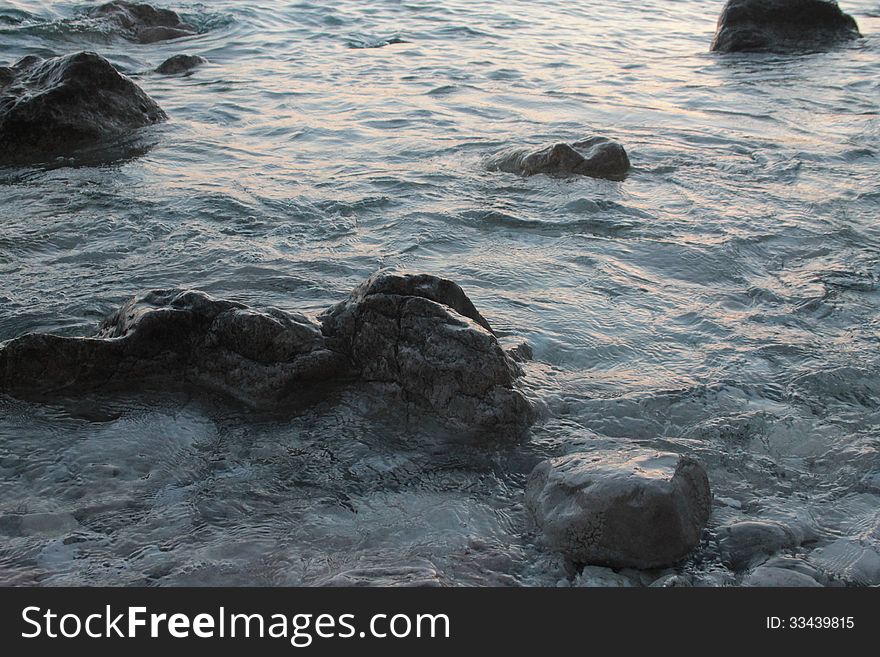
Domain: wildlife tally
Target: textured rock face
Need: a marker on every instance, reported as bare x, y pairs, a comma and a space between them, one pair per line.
180, 64
424, 336
173, 338
782, 26
620, 508
598, 157
417, 333
54, 105
140, 22
746, 542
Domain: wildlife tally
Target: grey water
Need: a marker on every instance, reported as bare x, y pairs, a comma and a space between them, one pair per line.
722, 300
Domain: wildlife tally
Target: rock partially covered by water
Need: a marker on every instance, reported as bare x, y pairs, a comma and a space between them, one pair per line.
180, 64
598, 157
620, 508
141, 22
770, 576
418, 334
51, 106
422, 335
782, 26
398, 576
171, 338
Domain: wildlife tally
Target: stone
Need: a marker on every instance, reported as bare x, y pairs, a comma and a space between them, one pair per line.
743, 543
52, 106
598, 157
423, 336
782, 26
140, 22
172, 338
180, 64
417, 335
599, 577
766, 576
620, 508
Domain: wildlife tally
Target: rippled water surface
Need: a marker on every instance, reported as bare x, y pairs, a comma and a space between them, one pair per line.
722, 300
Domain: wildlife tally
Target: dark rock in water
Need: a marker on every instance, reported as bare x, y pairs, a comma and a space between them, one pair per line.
620, 508
782, 26
419, 334
598, 157
140, 22
50, 106
770, 576
180, 64
172, 337
423, 335
743, 543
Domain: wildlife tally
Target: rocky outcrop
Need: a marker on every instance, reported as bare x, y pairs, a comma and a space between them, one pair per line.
423, 336
620, 508
180, 64
171, 338
52, 106
141, 23
598, 157
782, 26
418, 334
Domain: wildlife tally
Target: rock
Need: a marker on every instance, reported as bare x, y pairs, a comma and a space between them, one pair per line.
420, 335
141, 23
598, 157
782, 26
744, 543
765, 576
172, 338
671, 581
597, 576
620, 508
180, 64
400, 576
850, 560
55, 105
423, 336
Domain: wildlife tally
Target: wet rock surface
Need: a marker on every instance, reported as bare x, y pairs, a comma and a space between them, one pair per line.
51, 106
420, 334
743, 543
180, 64
782, 26
620, 508
597, 157
140, 22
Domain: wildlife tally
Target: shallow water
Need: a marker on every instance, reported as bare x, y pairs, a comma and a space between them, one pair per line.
722, 300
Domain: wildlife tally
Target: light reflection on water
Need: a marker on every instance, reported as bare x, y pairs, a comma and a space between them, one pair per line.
722, 300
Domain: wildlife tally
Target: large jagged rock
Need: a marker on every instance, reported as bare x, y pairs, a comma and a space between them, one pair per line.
418, 334
141, 23
620, 508
51, 106
180, 64
782, 26
172, 338
598, 157
422, 335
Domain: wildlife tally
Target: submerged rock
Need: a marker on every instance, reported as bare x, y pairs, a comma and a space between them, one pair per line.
51, 106
743, 543
422, 335
765, 576
141, 22
598, 157
620, 508
180, 64
398, 576
782, 26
